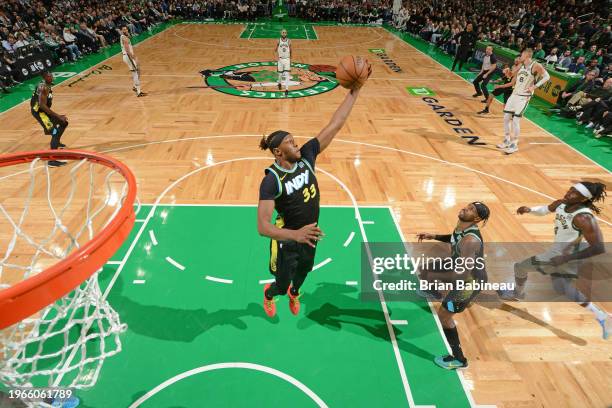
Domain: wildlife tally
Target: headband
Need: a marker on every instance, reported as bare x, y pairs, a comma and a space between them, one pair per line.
581, 188
482, 210
276, 138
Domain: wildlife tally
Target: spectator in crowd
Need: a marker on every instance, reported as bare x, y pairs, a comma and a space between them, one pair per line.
578, 66
566, 60
551, 59
586, 85
593, 67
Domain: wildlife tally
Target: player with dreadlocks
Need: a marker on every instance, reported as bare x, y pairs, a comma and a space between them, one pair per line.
574, 220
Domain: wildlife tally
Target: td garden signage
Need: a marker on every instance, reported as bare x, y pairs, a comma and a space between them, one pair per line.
382, 54
259, 80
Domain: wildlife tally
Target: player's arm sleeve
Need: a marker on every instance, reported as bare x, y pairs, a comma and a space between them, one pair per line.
268, 190
311, 150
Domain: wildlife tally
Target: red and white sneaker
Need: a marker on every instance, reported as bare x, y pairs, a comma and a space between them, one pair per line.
294, 302
269, 305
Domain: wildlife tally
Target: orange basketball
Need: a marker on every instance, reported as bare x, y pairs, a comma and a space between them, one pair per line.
353, 71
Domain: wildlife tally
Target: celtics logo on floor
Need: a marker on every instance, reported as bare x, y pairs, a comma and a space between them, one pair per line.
260, 80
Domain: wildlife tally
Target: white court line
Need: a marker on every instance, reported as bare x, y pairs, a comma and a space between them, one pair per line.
306, 32
113, 263
399, 322
424, 156
532, 122
176, 264
138, 281
321, 264
352, 283
381, 297
349, 239
153, 238
264, 281
218, 366
142, 220
220, 280
437, 320
368, 222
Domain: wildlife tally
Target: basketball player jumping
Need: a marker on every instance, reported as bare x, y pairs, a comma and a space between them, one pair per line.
574, 219
53, 123
524, 83
283, 52
465, 242
290, 187
130, 59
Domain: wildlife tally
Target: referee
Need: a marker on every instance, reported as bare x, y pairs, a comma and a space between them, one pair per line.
489, 65
290, 187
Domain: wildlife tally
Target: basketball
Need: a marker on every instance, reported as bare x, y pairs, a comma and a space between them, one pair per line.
353, 71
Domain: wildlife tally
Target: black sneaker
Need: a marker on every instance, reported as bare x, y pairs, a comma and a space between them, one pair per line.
56, 163
61, 146
484, 100
483, 112
141, 94
279, 86
476, 95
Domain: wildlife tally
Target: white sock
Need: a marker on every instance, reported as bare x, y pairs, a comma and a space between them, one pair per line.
507, 121
287, 76
516, 127
599, 314
136, 79
280, 77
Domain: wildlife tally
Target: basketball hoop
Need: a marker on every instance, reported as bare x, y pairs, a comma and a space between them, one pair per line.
49, 290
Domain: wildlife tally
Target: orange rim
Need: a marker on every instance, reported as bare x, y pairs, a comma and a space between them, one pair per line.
27, 297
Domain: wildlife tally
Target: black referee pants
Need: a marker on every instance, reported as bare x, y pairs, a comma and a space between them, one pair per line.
480, 84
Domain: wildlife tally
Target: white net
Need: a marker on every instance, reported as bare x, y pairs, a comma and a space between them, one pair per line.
47, 213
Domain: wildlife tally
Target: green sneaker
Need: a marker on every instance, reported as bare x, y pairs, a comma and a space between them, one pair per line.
450, 363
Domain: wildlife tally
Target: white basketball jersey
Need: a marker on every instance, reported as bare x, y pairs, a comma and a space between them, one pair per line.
524, 79
564, 227
567, 238
123, 50
284, 48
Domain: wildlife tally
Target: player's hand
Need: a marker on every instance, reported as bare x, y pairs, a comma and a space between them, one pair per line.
485, 76
309, 234
531, 88
558, 260
425, 236
63, 119
523, 210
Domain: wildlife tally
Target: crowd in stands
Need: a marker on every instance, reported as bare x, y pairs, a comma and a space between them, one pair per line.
69, 29
571, 35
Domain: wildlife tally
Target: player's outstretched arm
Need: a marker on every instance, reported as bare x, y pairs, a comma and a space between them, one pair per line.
337, 121
540, 210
